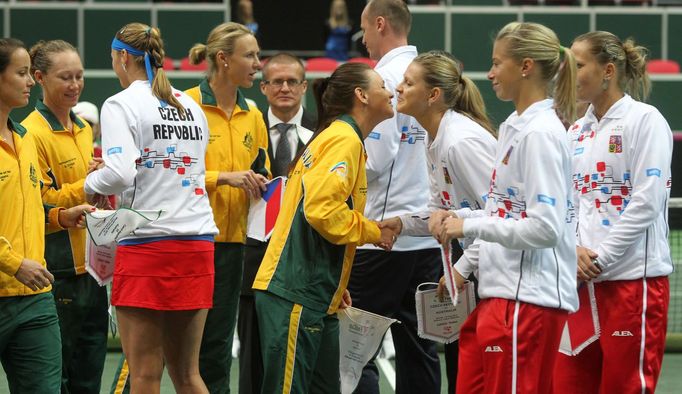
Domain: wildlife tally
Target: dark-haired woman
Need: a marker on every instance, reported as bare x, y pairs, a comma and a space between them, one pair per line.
64, 143
622, 151
154, 140
30, 344
305, 271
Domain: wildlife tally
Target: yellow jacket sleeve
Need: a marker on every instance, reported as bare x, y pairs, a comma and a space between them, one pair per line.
68, 195
10, 261
327, 192
211, 180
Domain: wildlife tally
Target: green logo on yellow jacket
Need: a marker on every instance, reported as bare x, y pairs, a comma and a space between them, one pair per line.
32, 175
248, 140
307, 158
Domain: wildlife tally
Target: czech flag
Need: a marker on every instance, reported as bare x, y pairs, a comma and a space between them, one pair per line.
263, 213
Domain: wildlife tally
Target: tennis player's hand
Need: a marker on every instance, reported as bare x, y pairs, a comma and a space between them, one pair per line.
252, 183
394, 224
387, 239
442, 289
436, 220
452, 228
346, 301
33, 275
97, 163
587, 269
75, 216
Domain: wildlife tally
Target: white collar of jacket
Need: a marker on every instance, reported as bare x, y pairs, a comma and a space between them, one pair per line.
520, 122
302, 133
395, 52
274, 120
617, 111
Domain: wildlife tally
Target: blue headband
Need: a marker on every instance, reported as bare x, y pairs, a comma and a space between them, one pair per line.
119, 45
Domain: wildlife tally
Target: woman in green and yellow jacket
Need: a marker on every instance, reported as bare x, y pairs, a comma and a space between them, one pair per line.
65, 146
30, 345
303, 276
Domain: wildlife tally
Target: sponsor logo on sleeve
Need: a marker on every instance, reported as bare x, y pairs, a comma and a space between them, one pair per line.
653, 172
114, 150
340, 169
546, 199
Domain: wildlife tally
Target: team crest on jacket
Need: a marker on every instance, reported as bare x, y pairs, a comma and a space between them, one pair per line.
248, 140
615, 144
32, 175
446, 175
307, 158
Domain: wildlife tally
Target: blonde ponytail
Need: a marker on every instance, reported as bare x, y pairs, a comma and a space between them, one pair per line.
565, 95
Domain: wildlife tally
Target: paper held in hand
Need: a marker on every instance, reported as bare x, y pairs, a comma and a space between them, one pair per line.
263, 212
360, 334
441, 321
107, 226
104, 228
99, 260
582, 327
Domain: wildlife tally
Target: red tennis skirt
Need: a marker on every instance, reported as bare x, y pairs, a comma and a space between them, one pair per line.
164, 275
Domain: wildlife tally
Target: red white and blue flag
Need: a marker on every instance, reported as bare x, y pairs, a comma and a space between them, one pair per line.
263, 213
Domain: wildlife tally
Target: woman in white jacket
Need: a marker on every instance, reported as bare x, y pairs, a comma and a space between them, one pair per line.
154, 141
461, 143
525, 243
622, 151
460, 149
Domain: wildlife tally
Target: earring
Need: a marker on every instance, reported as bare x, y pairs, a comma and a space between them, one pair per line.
124, 67
523, 75
605, 84
225, 64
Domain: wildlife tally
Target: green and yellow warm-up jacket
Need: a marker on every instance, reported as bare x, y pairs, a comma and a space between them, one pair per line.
309, 258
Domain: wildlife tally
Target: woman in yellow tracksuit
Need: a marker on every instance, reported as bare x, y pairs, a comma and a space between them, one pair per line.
236, 169
30, 345
303, 276
65, 147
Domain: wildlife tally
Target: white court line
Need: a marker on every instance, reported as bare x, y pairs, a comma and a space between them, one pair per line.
387, 370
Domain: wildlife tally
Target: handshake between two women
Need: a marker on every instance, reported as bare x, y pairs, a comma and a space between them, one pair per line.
443, 225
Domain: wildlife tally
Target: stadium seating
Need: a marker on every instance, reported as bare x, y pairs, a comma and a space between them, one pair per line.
323, 64
168, 64
185, 65
660, 66
365, 60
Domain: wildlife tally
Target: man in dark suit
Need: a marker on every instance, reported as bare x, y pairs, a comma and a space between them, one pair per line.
290, 127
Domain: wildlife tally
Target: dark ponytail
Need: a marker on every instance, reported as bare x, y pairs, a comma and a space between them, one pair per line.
335, 96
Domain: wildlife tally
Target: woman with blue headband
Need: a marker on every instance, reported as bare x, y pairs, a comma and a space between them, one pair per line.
154, 141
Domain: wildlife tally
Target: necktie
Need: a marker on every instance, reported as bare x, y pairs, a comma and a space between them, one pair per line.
280, 164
